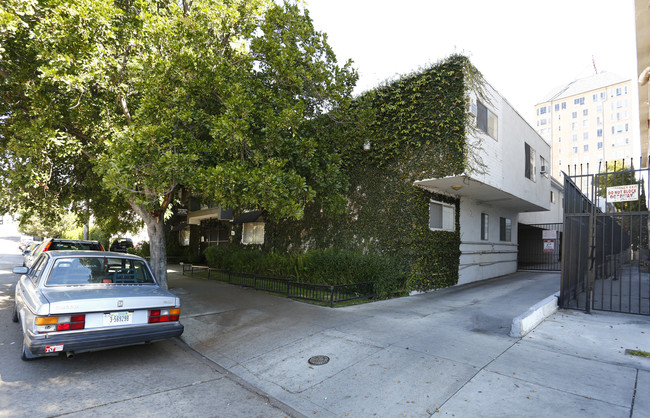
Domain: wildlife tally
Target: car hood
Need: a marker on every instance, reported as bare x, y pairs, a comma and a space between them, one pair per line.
70, 299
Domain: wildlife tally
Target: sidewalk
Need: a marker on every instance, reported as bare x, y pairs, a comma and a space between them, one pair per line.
447, 352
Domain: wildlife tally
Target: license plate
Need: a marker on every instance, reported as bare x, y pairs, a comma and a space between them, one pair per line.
118, 318
54, 348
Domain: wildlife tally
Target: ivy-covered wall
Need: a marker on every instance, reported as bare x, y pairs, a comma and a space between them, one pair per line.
415, 128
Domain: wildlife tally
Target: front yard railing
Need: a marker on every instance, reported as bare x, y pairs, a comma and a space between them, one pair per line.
329, 294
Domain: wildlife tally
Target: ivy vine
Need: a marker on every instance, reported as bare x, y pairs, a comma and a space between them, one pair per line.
416, 128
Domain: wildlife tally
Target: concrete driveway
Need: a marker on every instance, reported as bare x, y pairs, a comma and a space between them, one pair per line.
446, 352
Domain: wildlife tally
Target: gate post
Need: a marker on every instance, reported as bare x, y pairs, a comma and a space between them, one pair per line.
591, 271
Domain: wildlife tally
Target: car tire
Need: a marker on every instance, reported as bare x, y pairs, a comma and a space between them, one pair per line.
26, 354
14, 313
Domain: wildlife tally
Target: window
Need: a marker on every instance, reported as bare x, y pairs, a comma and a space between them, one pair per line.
573, 126
253, 233
542, 110
579, 101
530, 158
543, 166
557, 107
486, 120
600, 145
563, 105
595, 97
485, 226
184, 237
575, 150
603, 95
574, 137
552, 196
585, 148
505, 229
442, 216
585, 135
619, 91
574, 115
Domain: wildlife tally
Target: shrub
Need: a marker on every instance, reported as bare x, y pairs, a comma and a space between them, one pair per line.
328, 266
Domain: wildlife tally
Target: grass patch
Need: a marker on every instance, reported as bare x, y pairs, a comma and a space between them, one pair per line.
637, 353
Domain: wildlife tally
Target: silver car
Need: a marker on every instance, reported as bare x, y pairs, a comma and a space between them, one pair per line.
78, 301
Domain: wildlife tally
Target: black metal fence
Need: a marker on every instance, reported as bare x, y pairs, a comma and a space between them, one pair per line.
329, 294
606, 252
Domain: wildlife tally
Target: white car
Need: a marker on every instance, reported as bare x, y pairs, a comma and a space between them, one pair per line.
78, 301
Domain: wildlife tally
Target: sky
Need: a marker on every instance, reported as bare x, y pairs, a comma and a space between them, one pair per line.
524, 49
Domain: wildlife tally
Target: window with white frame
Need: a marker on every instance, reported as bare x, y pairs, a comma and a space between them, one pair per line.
485, 226
253, 233
442, 216
486, 120
529, 161
505, 229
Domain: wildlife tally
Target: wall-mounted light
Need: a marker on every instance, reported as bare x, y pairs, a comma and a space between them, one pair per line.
366, 146
457, 187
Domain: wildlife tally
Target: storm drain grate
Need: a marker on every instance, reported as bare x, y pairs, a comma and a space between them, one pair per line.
318, 360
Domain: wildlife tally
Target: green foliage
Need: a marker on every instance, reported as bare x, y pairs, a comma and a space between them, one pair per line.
51, 224
327, 266
416, 128
115, 105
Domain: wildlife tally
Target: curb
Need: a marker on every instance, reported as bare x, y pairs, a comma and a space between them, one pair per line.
528, 320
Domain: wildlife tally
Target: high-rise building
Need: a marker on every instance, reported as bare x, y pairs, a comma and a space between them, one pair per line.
588, 122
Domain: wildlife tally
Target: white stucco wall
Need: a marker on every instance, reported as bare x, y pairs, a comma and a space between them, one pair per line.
483, 259
504, 157
505, 164
555, 214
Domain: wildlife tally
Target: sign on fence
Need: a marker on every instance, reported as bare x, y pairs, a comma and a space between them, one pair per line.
627, 193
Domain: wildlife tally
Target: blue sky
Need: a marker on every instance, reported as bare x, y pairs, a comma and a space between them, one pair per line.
523, 48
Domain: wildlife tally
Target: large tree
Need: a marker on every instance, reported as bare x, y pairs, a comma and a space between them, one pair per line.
115, 104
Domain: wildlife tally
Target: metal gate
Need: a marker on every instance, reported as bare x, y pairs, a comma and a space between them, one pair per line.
605, 252
539, 246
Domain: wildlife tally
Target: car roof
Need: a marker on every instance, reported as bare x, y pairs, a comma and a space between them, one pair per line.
55, 254
85, 241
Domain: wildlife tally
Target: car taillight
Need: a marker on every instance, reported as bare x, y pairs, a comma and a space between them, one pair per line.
101, 247
60, 323
164, 315
47, 246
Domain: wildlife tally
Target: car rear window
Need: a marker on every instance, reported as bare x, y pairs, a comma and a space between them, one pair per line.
98, 270
74, 246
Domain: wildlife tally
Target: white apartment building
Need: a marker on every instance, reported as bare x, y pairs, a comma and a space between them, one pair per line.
513, 182
588, 122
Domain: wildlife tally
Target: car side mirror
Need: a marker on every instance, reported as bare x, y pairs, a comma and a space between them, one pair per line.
20, 270
27, 252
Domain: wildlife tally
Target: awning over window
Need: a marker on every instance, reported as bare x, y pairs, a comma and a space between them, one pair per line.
466, 186
252, 216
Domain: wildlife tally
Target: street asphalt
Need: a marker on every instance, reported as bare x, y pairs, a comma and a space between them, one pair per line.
448, 352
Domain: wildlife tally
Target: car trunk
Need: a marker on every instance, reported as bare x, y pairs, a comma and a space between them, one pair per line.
105, 298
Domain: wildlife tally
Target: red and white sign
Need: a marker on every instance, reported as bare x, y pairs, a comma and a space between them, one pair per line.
627, 193
549, 245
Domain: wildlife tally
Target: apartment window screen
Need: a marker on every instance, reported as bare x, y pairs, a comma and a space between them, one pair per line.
505, 230
530, 157
253, 233
442, 217
486, 120
485, 226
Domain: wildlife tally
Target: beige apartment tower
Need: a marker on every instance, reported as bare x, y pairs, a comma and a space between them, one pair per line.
588, 122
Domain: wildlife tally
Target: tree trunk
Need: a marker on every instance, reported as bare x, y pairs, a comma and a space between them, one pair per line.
157, 243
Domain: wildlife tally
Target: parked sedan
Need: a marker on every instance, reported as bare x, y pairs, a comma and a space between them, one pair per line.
52, 244
78, 301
